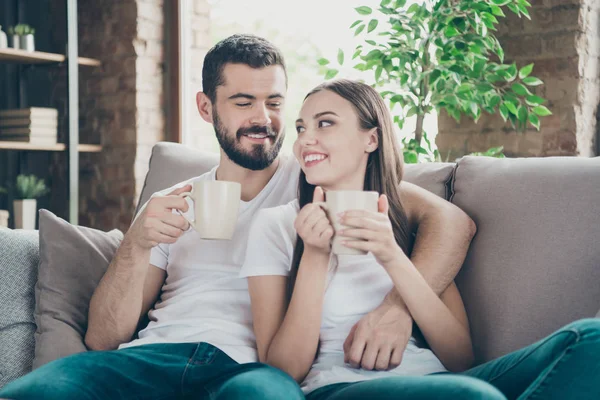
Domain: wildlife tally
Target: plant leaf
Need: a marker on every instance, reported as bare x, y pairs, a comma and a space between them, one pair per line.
364, 10
331, 73
535, 121
323, 61
520, 89
340, 57
532, 81
542, 111
525, 71
510, 107
360, 28
372, 25
355, 23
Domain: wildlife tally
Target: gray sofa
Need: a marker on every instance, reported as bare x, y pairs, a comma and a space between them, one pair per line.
533, 266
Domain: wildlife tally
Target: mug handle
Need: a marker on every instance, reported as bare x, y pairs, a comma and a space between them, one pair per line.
187, 195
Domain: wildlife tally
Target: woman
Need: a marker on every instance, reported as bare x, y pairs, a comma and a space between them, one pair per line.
305, 301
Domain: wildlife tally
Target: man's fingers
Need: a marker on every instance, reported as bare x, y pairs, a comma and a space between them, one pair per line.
369, 356
348, 343
383, 358
356, 351
178, 191
175, 220
174, 202
396, 357
169, 230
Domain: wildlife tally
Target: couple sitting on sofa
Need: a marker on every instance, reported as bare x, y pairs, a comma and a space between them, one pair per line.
272, 313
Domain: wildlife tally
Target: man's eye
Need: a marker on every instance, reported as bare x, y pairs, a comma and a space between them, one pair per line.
275, 105
242, 104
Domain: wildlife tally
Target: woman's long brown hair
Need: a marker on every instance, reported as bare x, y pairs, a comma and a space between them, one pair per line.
384, 166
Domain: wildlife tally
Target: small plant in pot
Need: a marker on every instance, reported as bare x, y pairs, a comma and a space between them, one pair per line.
13, 38
3, 213
26, 39
28, 189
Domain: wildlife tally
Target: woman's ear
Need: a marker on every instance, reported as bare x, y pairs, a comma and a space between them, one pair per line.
204, 107
372, 141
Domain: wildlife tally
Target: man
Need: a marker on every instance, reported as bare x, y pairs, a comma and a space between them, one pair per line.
199, 342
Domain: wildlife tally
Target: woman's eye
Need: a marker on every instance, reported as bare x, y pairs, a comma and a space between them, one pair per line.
299, 129
325, 124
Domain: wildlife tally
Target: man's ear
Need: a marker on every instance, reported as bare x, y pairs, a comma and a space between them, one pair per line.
372, 141
204, 107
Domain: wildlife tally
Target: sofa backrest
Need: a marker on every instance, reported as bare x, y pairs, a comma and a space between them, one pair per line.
172, 163
534, 264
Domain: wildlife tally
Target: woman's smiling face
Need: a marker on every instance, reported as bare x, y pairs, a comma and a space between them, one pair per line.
331, 147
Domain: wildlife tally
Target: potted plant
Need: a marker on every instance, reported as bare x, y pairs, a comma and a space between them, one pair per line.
26, 39
14, 38
443, 55
3, 213
28, 189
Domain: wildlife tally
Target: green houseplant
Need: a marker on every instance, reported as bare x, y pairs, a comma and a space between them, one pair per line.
28, 188
26, 38
443, 55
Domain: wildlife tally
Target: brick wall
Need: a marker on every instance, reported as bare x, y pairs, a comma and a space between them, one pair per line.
563, 40
122, 102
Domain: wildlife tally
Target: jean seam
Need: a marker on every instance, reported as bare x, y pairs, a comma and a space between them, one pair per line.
187, 366
542, 380
533, 350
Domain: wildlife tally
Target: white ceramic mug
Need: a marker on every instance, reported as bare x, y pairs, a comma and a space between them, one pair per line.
337, 201
216, 206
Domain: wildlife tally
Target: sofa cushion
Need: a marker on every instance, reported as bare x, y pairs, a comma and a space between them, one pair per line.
73, 259
18, 270
172, 163
534, 264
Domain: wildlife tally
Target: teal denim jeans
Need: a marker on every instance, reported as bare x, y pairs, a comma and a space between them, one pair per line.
565, 365
153, 372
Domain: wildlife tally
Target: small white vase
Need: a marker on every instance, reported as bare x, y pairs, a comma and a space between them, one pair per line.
25, 213
27, 43
4, 219
3, 39
15, 42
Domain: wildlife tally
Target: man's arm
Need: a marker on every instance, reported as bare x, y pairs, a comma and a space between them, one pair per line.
131, 284
443, 235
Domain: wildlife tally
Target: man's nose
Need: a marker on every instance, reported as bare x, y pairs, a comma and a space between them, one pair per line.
261, 117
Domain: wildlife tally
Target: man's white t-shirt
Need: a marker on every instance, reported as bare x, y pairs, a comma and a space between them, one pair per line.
356, 286
203, 298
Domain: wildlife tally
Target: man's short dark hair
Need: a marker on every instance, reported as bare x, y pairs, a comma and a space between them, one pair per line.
250, 50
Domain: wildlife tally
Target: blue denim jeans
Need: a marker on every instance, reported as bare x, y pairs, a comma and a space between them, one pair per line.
564, 365
154, 372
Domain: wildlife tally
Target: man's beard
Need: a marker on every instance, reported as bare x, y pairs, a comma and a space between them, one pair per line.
259, 157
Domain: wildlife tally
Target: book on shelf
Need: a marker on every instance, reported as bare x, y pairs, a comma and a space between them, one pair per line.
32, 112
30, 139
29, 122
27, 131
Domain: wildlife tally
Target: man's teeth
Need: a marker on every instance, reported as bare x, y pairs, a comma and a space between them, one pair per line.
314, 157
257, 136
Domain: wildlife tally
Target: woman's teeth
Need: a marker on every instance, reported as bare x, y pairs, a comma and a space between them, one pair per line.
314, 157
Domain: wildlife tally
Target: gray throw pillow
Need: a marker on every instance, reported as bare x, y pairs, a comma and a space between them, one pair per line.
18, 272
73, 259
